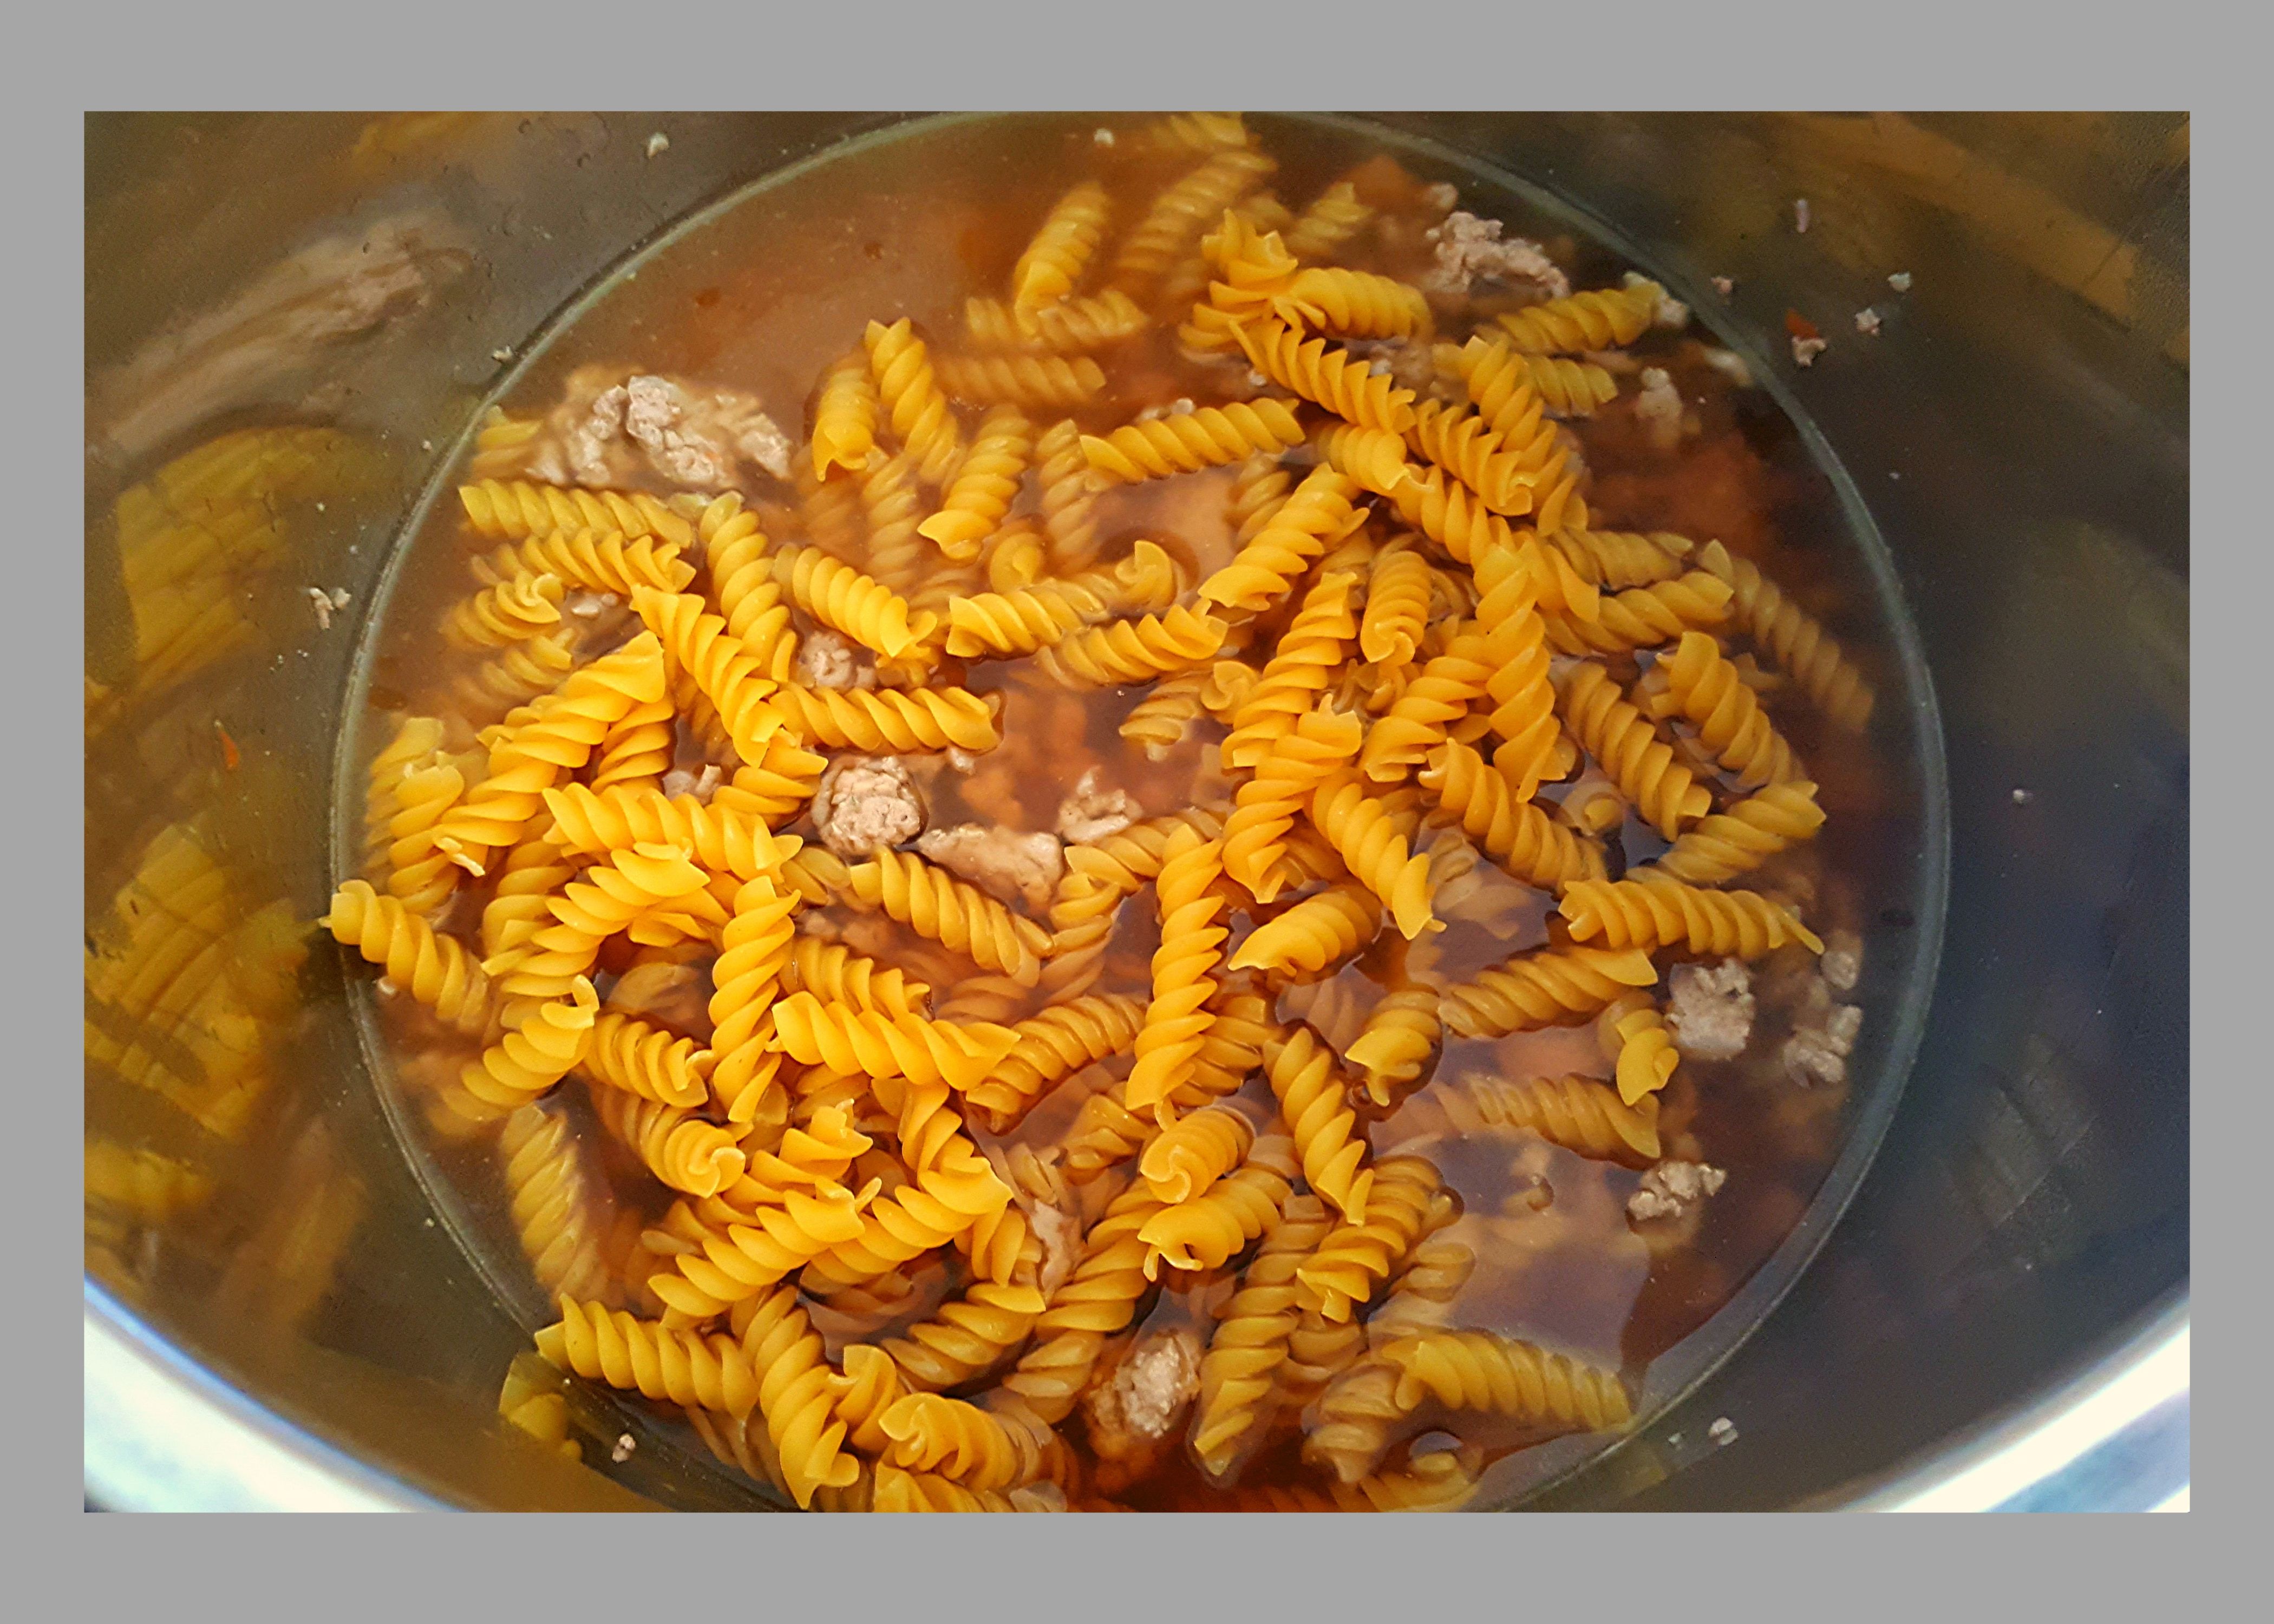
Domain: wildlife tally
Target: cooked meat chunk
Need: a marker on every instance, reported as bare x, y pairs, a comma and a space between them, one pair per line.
1005, 863
865, 802
1093, 812
1469, 248
827, 659
1710, 1009
1672, 1188
1842, 962
1817, 1051
1658, 408
1151, 1388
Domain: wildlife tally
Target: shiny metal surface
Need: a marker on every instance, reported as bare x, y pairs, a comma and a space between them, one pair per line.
2000, 1320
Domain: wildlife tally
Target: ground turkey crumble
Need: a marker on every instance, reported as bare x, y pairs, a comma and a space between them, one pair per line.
1150, 1389
1469, 248
1823, 1033
1672, 1188
865, 802
1093, 813
691, 435
827, 659
1003, 863
1710, 1009
1658, 407
679, 781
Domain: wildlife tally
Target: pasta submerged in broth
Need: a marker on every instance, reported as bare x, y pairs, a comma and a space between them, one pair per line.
996, 923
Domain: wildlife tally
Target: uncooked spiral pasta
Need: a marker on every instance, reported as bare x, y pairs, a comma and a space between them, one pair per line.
1597, 319
1551, 986
595, 822
1185, 1160
651, 876
1398, 1042
1314, 643
1330, 377
1054, 1044
796, 1393
434, 969
679, 1367
1362, 829
1624, 742
889, 720
1644, 616
1460, 443
1656, 910
845, 417
1332, 220
1416, 724
1250, 1341
967, 1336
1314, 1103
1266, 806
1184, 967
1053, 262
1181, 212
1069, 507
1355, 1259
628, 1054
1473, 793
1302, 942
1793, 639
1162, 720
1478, 1370
922, 1050
1579, 1113
559, 1207
420, 874
986, 481
1354, 305
1258, 491
1623, 559
1633, 1035
561, 738
836, 975
1126, 651
910, 393
958, 915
1035, 381
1728, 844
979, 1448
1397, 606
638, 749
1071, 327
523, 607
1706, 689
1187, 442
512, 509
840, 597
1204, 1232
680, 1149
524, 1063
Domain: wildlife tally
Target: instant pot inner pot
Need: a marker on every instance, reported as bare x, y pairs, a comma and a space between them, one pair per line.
319, 1260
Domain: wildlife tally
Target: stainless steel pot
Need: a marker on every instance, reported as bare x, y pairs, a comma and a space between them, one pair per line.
2000, 1320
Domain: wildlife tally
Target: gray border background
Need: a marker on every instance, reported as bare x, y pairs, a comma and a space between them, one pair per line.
1722, 55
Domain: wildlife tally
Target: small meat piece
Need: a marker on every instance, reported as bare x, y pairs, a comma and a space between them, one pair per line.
825, 659
865, 802
589, 605
1410, 367
1003, 863
1658, 408
1804, 351
679, 781
1800, 215
1060, 1232
1710, 1009
1672, 1188
1867, 321
760, 439
1818, 1052
1670, 313
1094, 812
1842, 962
682, 448
1901, 281
1469, 248
1724, 286
585, 443
1151, 1388
1440, 196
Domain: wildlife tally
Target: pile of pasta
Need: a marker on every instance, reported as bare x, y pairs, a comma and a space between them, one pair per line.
1418, 632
